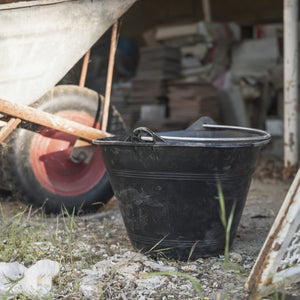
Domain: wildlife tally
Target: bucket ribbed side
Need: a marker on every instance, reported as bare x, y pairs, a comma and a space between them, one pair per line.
168, 196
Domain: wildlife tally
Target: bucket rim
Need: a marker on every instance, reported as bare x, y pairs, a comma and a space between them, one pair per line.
143, 136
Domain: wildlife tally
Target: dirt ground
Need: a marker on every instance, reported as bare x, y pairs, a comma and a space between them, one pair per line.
263, 203
105, 234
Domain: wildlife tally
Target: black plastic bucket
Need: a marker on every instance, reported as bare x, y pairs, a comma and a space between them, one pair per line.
166, 185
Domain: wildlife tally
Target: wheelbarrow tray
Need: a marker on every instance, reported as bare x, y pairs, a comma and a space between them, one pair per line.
41, 40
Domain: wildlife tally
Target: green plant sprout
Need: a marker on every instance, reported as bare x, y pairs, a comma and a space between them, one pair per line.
70, 230
153, 248
226, 224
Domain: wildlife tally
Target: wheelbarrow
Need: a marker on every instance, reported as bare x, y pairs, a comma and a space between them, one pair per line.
40, 42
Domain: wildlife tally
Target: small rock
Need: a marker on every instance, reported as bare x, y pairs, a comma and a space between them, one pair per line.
236, 257
190, 268
113, 248
158, 267
151, 283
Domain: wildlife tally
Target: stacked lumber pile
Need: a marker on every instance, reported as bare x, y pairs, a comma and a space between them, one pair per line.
195, 54
204, 59
189, 101
204, 47
147, 91
119, 99
157, 64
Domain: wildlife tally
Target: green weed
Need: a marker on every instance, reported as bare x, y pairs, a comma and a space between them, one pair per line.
227, 223
69, 228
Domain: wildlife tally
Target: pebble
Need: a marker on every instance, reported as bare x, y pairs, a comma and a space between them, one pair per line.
236, 257
190, 268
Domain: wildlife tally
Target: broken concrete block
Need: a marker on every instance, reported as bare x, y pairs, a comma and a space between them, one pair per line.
15, 279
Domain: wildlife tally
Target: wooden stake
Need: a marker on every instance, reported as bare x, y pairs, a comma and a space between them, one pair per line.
8, 128
111, 62
84, 68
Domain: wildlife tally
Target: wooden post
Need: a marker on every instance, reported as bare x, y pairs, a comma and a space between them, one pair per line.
206, 10
290, 84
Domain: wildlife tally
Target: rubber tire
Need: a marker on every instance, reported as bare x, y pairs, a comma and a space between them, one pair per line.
16, 153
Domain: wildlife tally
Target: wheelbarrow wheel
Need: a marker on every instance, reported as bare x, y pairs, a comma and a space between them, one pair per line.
37, 159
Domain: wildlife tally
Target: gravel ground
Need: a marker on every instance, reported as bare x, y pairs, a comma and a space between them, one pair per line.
98, 261
124, 272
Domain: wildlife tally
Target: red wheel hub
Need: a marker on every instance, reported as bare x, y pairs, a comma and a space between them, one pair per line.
51, 163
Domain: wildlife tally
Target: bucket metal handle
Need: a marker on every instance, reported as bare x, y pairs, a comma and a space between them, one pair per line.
144, 135
198, 125
263, 135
